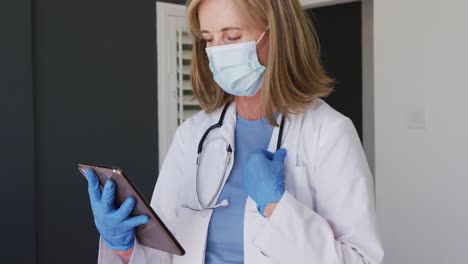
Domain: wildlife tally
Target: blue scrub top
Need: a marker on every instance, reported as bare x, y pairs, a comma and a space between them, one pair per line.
225, 242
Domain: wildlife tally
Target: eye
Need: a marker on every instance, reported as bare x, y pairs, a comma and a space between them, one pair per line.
207, 37
234, 39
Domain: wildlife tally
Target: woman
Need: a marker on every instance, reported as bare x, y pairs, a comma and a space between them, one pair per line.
299, 189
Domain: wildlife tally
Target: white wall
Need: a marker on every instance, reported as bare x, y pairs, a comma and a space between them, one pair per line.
421, 64
418, 72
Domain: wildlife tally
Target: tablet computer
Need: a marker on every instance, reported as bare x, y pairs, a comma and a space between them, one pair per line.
153, 234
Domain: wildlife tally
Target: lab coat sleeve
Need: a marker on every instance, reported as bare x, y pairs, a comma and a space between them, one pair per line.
141, 254
164, 202
343, 227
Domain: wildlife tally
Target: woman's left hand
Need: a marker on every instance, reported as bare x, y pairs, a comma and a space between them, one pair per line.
264, 179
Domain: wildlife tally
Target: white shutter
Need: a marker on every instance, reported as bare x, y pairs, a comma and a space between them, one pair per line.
187, 104
175, 96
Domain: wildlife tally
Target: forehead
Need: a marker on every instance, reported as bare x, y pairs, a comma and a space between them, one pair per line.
215, 15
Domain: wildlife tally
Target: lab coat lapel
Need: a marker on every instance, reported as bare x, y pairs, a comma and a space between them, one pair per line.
251, 207
253, 220
211, 168
289, 142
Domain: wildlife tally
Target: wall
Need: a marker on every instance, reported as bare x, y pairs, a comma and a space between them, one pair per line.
421, 59
17, 243
77, 83
335, 25
95, 82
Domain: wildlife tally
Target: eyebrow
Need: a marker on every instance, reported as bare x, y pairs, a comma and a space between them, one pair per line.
223, 29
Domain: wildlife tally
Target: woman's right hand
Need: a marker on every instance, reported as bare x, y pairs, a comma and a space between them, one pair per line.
116, 227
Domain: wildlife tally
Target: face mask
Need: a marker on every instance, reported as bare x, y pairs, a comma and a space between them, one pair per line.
236, 68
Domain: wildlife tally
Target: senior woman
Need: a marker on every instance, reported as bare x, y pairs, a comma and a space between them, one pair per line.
282, 179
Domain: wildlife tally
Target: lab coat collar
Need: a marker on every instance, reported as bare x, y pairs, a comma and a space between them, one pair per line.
229, 125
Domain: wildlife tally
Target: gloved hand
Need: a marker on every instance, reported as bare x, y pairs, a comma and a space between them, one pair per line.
116, 227
264, 177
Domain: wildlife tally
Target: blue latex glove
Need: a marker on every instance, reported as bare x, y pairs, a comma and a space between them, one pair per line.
264, 177
116, 227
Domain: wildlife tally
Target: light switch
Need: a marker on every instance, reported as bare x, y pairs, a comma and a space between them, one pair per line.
417, 118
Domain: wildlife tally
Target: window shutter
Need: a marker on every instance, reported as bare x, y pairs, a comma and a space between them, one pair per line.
175, 96
187, 104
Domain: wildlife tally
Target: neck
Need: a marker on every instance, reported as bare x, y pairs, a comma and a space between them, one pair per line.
249, 107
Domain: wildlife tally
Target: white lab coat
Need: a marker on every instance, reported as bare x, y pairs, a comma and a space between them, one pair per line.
327, 214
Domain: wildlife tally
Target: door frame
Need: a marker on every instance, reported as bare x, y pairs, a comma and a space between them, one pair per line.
306, 4
169, 17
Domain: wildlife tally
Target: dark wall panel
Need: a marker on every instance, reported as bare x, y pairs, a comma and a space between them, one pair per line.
16, 134
339, 28
96, 102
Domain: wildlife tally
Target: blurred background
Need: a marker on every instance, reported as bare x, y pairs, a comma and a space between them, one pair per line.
107, 82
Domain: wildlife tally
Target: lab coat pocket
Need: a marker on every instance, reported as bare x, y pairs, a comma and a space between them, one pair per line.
301, 187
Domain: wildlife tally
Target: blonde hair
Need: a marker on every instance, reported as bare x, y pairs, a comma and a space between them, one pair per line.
294, 77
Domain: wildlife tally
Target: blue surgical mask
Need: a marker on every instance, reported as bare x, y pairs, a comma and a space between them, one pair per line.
236, 68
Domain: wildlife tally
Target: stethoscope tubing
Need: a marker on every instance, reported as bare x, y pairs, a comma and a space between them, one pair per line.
227, 162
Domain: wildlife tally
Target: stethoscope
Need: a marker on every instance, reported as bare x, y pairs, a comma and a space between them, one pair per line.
225, 202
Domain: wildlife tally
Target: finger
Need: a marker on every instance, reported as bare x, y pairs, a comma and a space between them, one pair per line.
136, 221
108, 195
125, 209
280, 155
93, 186
267, 154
